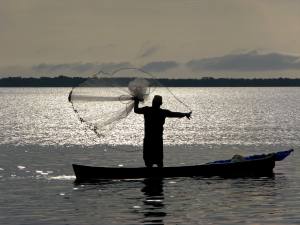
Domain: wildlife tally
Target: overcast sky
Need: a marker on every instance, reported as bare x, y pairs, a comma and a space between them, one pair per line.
221, 38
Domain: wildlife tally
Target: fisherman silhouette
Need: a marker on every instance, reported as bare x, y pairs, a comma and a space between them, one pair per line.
154, 118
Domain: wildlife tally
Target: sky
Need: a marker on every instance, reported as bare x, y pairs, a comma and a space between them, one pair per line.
170, 38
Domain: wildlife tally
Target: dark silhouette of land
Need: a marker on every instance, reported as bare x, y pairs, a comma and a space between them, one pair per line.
64, 81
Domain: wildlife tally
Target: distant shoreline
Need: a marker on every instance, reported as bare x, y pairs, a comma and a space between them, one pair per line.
63, 81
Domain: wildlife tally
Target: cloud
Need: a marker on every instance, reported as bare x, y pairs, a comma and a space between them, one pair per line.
246, 64
249, 61
160, 66
78, 68
82, 69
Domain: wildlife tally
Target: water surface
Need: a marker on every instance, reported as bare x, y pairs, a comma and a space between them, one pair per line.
41, 137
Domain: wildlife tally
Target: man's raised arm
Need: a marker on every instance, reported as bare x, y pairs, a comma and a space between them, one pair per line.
136, 107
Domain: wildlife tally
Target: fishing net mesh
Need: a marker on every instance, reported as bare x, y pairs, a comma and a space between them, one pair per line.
104, 100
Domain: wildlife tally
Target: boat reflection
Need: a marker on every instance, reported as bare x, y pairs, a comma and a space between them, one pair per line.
154, 201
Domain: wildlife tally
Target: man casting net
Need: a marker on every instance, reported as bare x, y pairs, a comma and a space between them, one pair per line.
103, 103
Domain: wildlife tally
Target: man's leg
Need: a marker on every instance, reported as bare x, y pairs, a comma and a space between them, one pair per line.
147, 155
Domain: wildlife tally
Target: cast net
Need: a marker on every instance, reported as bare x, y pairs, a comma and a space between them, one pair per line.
104, 99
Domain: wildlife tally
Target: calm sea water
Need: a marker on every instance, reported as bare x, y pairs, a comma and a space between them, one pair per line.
40, 137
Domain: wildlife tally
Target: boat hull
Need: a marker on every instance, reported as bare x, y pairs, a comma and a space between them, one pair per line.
251, 168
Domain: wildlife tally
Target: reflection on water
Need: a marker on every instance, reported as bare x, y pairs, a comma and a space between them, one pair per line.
154, 201
247, 116
145, 203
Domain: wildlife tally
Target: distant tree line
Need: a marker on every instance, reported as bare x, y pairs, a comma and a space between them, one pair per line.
60, 81
64, 81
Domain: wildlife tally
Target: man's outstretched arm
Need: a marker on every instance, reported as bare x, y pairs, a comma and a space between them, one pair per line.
179, 114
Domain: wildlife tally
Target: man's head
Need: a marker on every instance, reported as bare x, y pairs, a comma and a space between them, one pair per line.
157, 101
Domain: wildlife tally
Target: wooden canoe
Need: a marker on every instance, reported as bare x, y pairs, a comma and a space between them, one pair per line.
251, 166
